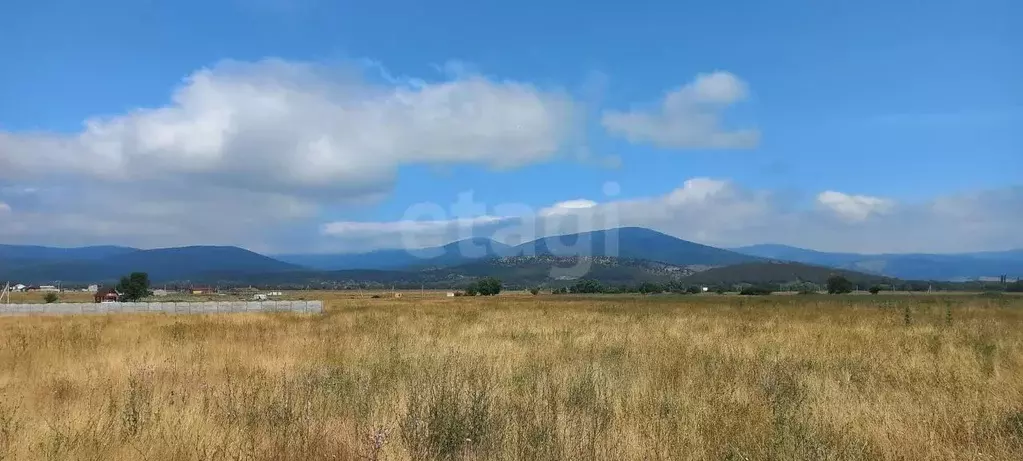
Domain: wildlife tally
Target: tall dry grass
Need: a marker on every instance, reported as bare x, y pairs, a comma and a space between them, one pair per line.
524, 378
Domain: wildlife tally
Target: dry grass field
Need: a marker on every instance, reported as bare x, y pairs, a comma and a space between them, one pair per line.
518, 377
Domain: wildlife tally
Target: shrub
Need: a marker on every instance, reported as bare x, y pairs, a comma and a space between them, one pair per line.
875, 289
534, 291
694, 290
587, 286
756, 291
50, 298
838, 285
1015, 287
650, 288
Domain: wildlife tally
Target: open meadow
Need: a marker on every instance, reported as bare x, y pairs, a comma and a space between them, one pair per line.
524, 377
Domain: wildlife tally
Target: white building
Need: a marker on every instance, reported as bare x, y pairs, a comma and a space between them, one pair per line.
92, 288
18, 287
49, 289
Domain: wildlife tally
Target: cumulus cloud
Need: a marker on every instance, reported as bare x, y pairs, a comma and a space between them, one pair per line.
293, 127
4, 208
854, 207
722, 213
689, 117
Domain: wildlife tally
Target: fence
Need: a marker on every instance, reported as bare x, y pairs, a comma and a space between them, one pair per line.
213, 307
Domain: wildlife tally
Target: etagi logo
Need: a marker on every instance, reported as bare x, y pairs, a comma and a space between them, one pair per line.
518, 229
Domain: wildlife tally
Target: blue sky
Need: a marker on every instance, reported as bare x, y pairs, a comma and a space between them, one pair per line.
311, 125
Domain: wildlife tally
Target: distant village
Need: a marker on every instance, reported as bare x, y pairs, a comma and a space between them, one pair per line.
110, 294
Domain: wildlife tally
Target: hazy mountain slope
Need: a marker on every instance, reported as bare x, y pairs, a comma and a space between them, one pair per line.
451, 254
904, 266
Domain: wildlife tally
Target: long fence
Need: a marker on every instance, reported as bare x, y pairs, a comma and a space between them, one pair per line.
212, 307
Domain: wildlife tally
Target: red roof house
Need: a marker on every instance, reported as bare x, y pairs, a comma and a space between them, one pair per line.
106, 295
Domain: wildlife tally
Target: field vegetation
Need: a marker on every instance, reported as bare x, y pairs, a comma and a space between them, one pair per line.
524, 377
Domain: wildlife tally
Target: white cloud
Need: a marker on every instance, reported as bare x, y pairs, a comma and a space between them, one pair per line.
854, 207
721, 213
354, 228
689, 117
568, 206
4, 208
294, 127
355, 236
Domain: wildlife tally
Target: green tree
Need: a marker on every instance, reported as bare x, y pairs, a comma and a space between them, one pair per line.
534, 291
694, 290
489, 286
838, 285
1015, 287
50, 298
875, 289
473, 289
134, 287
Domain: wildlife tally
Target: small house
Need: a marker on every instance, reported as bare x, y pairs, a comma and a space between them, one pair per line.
201, 290
49, 289
106, 295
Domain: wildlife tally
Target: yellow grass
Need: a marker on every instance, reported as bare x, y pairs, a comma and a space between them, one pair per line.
518, 377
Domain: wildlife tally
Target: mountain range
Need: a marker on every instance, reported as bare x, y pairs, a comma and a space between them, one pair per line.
624, 255
626, 242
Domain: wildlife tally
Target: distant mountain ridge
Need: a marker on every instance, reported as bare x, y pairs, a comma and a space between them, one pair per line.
163, 264
952, 267
625, 242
